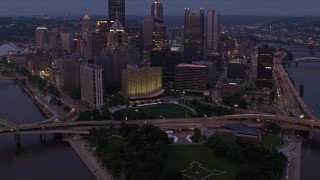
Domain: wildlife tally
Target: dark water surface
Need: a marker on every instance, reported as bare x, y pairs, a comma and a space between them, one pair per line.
35, 161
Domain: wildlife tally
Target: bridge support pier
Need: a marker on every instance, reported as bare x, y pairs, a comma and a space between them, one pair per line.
43, 138
18, 140
311, 133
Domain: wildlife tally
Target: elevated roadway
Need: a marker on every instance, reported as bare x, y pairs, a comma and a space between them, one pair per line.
249, 119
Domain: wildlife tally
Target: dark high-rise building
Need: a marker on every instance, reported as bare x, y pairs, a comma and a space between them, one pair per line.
264, 67
213, 31
117, 8
193, 35
85, 32
168, 60
191, 77
157, 11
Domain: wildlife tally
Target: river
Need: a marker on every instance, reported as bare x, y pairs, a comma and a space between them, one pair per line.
309, 75
54, 159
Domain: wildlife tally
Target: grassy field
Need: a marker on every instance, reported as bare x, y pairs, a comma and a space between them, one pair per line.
181, 156
164, 110
269, 141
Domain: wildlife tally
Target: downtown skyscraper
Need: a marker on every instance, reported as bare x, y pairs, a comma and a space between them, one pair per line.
265, 67
117, 8
193, 35
157, 11
213, 31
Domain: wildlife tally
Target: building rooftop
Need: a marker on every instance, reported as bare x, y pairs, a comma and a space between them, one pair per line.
86, 16
191, 65
116, 26
8, 47
93, 66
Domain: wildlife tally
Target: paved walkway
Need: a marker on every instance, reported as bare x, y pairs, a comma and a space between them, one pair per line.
89, 159
292, 149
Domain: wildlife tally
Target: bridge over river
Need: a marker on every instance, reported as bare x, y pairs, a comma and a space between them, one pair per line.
83, 127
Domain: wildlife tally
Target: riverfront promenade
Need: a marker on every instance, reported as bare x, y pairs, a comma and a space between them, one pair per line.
292, 149
89, 159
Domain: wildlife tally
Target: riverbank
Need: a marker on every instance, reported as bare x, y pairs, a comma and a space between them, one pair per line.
292, 149
89, 159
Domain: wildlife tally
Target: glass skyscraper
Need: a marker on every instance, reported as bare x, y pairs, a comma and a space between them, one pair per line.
117, 8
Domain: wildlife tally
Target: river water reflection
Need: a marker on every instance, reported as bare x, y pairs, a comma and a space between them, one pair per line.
52, 160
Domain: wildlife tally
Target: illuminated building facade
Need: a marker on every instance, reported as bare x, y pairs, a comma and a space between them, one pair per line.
159, 39
265, 67
141, 83
91, 84
191, 77
193, 35
117, 9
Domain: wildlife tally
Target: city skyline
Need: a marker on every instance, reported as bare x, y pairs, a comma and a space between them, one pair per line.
171, 7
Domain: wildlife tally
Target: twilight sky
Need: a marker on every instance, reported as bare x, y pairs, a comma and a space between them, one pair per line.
171, 7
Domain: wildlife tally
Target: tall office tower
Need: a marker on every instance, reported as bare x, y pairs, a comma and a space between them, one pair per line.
117, 35
265, 67
41, 36
117, 8
193, 35
91, 84
213, 31
157, 11
85, 36
159, 38
147, 32
66, 39
104, 27
70, 72
116, 55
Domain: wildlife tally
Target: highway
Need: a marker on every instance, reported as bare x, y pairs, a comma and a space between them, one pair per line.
284, 121
290, 100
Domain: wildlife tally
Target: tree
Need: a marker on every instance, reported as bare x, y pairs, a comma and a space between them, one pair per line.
197, 135
260, 99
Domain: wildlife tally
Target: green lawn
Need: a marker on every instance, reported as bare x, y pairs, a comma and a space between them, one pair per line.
269, 140
164, 110
181, 156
